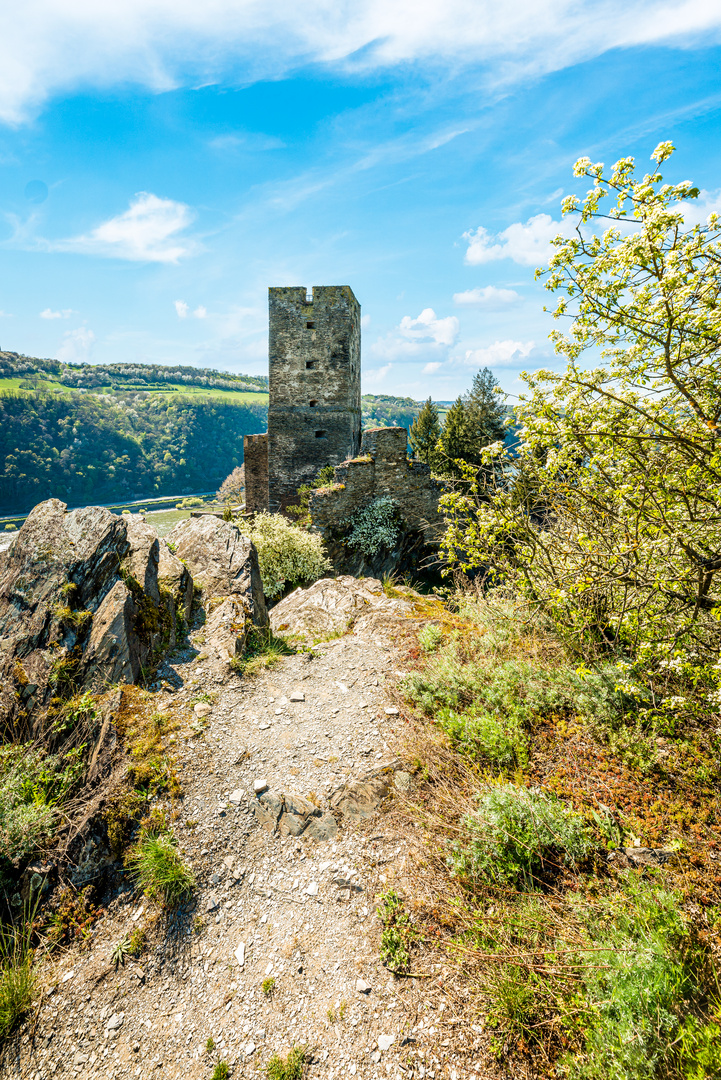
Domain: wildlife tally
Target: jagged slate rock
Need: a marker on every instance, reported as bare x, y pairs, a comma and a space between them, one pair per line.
403, 781
322, 829
332, 604
359, 799
212, 904
222, 561
297, 813
643, 856
115, 1022
176, 579
77, 595
268, 808
226, 628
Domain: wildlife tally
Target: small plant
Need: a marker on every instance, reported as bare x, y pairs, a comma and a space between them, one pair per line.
119, 953
342, 1010
198, 924
331, 1014
397, 933
263, 649
291, 1067
221, 1071
210, 1045
519, 835
430, 637
17, 973
73, 916
268, 986
158, 867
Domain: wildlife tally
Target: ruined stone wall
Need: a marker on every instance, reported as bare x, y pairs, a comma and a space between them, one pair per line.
255, 456
381, 469
314, 412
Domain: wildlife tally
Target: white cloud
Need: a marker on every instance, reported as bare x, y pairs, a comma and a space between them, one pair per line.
500, 354
48, 313
77, 346
365, 322
5, 315
376, 375
146, 232
431, 369
183, 310
696, 211
429, 328
418, 337
528, 245
53, 47
488, 297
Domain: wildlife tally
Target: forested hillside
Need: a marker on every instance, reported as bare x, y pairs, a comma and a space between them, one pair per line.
90, 448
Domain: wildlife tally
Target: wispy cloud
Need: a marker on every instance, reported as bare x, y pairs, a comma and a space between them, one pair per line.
183, 310
148, 231
248, 141
48, 313
54, 47
373, 376
487, 297
500, 354
77, 346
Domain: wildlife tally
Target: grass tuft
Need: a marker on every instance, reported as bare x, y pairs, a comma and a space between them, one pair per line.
159, 869
290, 1067
17, 976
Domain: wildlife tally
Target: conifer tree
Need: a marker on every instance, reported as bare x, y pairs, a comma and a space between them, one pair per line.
485, 411
425, 432
456, 440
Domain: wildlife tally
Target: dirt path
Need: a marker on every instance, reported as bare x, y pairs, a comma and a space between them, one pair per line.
274, 906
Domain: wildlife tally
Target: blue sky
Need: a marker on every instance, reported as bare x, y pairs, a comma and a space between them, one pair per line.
162, 164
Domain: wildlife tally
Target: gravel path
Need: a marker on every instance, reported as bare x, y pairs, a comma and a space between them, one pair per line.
258, 757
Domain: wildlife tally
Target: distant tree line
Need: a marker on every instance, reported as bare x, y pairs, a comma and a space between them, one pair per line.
85, 448
384, 410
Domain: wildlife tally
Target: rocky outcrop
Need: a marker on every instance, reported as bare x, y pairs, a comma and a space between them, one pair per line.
334, 604
81, 606
224, 566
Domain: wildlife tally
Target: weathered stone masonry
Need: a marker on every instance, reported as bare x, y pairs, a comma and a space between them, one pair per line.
255, 456
381, 468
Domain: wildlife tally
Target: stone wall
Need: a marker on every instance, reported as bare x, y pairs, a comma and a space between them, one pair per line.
314, 410
381, 469
255, 455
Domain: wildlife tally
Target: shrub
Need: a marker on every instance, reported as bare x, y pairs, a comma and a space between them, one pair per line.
374, 527
288, 1068
500, 740
31, 784
518, 834
397, 932
287, 553
158, 867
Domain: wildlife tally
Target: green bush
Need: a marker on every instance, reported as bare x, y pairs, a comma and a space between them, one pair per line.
477, 733
31, 785
159, 869
374, 527
649, 1014
287, 553
518, 834
288, 1068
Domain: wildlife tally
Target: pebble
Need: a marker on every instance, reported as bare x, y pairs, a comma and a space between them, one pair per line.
115, 1022
259, 786
386, 1041
362, 986
240, 954
249, 1049
297, 695
391, 710
236, 797
312, 889
202, 708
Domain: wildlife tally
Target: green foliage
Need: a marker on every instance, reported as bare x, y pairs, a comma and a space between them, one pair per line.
210, 1045
397, 933
263, 649
131, 945
384, 410
374, 527
221, 1071
484, 736
290, 1067
607, 515
518, 836
648, 1010
430, 637
233, 487
32, 785
287, 554
97, 448
425, 432
17, 976
268, 986
158, 868
325, 478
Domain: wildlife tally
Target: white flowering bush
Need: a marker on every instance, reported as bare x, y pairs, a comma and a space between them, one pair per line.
374, 527
287, 553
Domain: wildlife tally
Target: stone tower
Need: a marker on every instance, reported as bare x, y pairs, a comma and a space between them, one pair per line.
314, 408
